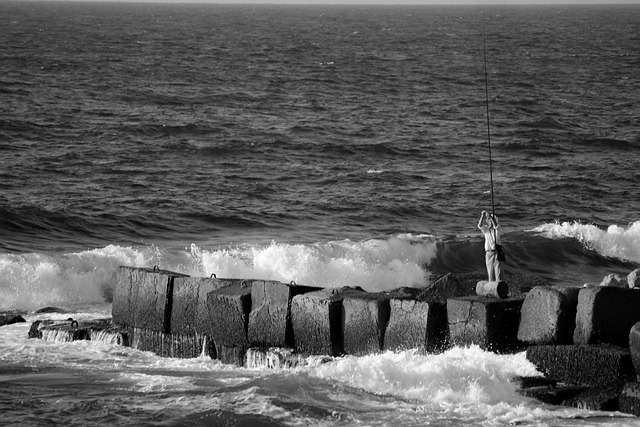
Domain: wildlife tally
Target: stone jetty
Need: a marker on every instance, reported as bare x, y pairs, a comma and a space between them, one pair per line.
585, 340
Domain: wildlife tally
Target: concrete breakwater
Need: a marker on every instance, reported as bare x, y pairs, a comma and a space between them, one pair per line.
585, 340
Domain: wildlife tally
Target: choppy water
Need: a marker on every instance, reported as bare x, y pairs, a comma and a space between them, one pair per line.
332, 146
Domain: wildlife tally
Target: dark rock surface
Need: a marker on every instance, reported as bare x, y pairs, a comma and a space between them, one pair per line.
490, 323
590, 365
605, 315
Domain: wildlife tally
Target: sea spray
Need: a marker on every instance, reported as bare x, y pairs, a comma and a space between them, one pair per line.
374, 265
615, 241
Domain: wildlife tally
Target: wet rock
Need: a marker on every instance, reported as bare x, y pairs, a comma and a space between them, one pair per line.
548, 315
590, 365
189, 309
228, 319
10, 319
416, 324
634, 347
490, 323
317, 321
50, 310
630, 399
602, 398
143, 298
365, 321
606, 315
270, 317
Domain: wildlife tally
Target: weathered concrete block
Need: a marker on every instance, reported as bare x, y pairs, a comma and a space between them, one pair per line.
168, 345
189, 311
270, 317
630, 399
593, 365
416, 324
228, 309
634, 347
601, 398
548, 315
143, 298
231, 354
606, 315
365, 321
490, 323
317, 321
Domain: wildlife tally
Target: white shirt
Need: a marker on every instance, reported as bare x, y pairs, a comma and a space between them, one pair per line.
491, 237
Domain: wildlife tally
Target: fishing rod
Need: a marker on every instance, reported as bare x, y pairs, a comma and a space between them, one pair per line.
486, 94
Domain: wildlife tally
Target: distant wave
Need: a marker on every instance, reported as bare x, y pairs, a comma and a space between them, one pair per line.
615, 241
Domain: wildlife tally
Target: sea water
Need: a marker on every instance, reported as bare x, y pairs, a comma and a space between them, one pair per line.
327, 145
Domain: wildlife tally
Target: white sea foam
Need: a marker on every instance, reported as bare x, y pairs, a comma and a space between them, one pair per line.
375, 265
615, 241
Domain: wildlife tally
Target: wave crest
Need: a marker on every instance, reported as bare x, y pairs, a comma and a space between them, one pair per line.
615, 241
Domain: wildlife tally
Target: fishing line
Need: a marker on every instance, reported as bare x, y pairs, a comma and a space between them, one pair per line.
486, 93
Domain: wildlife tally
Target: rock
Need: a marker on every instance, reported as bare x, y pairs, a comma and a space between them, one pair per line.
633, 279
270, 317
590, 365
489, 323
601, 398
50, 310
365, 322
606, 315
317, 321
634, 347
630, 399
228, 309
494, 289
142, 298
416, 324
548, 315
10, 319
189, 308
614, 280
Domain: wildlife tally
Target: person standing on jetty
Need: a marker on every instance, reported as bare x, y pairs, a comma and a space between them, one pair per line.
489, 226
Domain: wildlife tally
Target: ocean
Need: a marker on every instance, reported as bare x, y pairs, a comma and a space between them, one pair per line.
327, 145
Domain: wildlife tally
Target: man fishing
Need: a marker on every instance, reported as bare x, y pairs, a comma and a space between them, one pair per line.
489, 226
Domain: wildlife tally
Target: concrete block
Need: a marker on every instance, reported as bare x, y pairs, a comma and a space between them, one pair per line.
143, 298
228, 312
270, 317
634, 347
630, 399
231, 354
168, 345
317, 321
606, 315
416, 325
490, 323
190, 312
548, 315
592, 365
365, 321
601, 398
